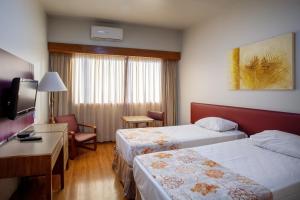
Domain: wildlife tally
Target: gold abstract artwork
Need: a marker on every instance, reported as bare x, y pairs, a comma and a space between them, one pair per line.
265, 65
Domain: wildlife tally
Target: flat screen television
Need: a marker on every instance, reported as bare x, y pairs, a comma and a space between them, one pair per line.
22, 97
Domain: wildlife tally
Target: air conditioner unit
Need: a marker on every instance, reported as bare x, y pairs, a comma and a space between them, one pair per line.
102, 32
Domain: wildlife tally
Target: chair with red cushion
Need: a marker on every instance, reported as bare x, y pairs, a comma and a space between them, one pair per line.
157, 116
76, 137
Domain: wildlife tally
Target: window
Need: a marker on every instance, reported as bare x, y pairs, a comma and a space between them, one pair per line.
103, 79
98, 78
144, 80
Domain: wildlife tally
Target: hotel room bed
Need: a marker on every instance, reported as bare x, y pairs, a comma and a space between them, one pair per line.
267, 172
133, 142
271, 172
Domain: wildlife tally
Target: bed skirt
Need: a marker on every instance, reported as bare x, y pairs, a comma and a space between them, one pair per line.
124, 173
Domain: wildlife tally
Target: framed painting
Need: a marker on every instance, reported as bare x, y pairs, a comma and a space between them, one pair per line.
265, 65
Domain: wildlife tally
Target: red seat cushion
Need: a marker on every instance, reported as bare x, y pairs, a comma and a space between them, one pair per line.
81, 137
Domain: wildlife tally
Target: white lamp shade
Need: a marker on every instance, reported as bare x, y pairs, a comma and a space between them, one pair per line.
51, 82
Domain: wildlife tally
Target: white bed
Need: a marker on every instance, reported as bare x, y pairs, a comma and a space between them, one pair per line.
277, 172
185, 136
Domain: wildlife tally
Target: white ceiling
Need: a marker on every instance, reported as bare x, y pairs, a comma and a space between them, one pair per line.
178, 14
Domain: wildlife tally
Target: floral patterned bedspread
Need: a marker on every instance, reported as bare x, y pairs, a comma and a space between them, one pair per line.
184, 174
148, 140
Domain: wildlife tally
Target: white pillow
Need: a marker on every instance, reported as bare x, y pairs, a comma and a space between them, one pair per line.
216, 124
278, 141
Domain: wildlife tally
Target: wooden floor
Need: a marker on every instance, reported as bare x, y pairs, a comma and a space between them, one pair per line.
90, 176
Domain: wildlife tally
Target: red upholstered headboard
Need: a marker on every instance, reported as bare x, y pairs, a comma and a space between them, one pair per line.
250, 120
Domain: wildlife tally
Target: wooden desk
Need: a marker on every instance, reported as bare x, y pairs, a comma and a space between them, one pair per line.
38, 158
136, 120
52, 128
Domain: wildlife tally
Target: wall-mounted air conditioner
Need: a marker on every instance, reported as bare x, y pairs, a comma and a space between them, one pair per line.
109, 33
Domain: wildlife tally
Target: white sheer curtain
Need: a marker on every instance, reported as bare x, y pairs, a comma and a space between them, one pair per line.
107, 87
143, 90
144, 80
98, 92
98, 79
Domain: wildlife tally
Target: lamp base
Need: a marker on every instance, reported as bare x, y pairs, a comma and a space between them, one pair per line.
51, 108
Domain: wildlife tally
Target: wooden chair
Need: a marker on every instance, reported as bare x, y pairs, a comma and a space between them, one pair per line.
76, 137
157, 116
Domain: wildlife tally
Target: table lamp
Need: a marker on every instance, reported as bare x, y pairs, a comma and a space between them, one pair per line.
51, 82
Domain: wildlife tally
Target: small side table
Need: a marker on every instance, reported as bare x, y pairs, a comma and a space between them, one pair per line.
136, 120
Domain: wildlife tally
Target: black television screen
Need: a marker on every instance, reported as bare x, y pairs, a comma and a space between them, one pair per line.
23, 97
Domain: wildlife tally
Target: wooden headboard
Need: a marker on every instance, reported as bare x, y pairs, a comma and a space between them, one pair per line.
250, 121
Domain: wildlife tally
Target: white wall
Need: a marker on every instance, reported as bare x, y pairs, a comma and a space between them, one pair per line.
204, 68
77, 31
23, 33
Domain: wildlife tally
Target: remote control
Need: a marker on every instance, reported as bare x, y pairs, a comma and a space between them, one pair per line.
24, 134
32, 138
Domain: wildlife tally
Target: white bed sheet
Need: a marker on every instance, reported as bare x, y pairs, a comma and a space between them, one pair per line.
277, 172
186, 135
